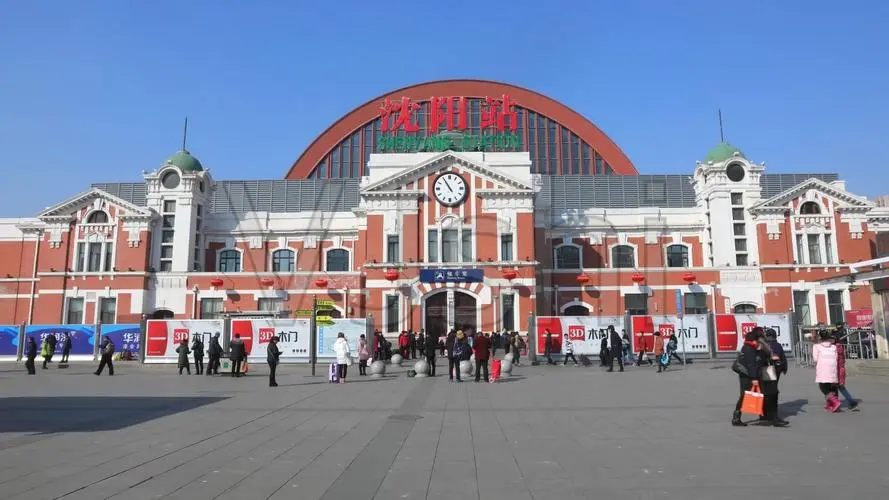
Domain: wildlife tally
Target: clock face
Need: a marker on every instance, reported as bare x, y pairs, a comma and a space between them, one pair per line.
450, 189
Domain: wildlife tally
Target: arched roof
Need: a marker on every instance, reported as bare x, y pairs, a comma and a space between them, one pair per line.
521, 97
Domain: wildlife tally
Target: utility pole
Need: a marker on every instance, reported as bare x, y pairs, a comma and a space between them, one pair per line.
313, 339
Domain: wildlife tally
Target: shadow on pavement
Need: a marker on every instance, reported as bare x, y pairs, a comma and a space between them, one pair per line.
89, 414
792, 408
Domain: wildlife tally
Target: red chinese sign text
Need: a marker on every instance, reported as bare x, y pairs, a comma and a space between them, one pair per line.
448, 113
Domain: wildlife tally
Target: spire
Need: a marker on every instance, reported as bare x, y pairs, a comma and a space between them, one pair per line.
721, 132
185, 134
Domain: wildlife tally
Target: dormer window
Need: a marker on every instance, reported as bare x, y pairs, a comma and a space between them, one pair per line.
809, 208
97, 217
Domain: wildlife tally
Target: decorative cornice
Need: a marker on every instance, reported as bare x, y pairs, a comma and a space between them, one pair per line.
812, 183
54, 211
420, 169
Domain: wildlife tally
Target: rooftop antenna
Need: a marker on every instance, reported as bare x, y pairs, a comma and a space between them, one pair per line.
185, 134
721, 132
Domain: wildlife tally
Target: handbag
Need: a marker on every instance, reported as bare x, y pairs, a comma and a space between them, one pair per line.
348, 360
769, 374
753, 401
739, 367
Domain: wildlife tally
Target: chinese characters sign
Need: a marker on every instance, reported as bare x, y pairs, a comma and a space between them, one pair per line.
125, 337
451, 275
445, 124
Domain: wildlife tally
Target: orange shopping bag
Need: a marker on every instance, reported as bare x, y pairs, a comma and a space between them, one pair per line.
753, 401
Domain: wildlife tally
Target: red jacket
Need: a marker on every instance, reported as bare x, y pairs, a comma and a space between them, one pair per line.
841, 364
481, 347
403, 340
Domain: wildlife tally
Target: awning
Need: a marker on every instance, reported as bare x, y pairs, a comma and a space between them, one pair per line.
853, 277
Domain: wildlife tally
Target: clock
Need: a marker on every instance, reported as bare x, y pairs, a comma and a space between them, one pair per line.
450, 189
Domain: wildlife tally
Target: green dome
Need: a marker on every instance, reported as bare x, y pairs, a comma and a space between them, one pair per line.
722, 152
185, 162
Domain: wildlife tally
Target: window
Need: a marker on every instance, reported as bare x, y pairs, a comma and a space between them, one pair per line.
677, 256
835, 307
168, 220
567, 257
166, 266
449, 249
636, 304
809, 208
433, 245
696, 303
737, 214
211, 308
506, 247
81, 252
741, 260
74, 316
576, 310
392, 247
229, 261
624, 256
745, 309
799, 249
98, 217
337, 260
269, 305
801, 310
737, 199
392, 313
508, 311
466, 245
108, 311
94, 258
814, 241
169, 206
828, 249
109, 257
740, 229
740, 245
283, 261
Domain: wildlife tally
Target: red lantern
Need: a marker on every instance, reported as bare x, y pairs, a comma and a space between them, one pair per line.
583, 279
510, 274
689, 277
321, 282
267, 281
217, 282
638, 278
391, 275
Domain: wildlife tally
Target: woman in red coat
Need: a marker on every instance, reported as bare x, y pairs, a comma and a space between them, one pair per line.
659, 351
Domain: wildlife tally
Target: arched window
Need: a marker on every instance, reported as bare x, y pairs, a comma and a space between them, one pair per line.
283, 261
97, 217
809, 208
576, 310
623, 256
229, 261
745, 309
677, 256
567, 257
337, 259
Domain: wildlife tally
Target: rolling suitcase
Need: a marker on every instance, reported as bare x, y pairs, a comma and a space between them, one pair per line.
333, 374
495, 370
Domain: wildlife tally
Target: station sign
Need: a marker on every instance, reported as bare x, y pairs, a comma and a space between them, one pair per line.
451, 275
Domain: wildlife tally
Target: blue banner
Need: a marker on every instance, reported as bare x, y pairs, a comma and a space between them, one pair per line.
83, 337
125, 337
451, 275
9, 340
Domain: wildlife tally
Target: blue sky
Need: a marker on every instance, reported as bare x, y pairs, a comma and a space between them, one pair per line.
96, 91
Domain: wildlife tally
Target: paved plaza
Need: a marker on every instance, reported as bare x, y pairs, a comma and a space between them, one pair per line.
545, 433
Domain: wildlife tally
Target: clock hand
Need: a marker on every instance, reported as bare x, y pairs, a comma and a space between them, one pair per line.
447, 184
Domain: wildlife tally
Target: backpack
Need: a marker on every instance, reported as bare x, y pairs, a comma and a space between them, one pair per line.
459, 350
672, 345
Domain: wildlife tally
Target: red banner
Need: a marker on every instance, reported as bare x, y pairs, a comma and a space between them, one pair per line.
643, 333
860, 318
726, 333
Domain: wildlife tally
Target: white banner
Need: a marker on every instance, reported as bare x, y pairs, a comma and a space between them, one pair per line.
585, 332
162, 336
692, 332
353, 328
731, 329
293, 334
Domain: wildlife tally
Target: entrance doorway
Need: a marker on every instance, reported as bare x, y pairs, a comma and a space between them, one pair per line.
161, 314
465, 312
437, 315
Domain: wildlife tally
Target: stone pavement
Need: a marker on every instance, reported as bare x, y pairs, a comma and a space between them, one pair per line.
546, 433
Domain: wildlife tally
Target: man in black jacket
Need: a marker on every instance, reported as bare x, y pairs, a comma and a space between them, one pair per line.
236, 354
431, 347
214, 352
616, 348
66, 348
273, 355
548, 347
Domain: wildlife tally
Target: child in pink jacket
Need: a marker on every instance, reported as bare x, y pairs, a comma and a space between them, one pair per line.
826, 359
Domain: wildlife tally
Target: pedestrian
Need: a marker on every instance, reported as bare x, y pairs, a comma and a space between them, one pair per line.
403, 344
568, 347
66, 348
616, 350
642, 351
481, 347
548, 346
107, 350
519, 346
431, 346
824, 355
627, 348
236, 354
183, 356
413, 344
273, 355
604, 355
841, 378
47, 349
421, 343
343, 356
443, 344
672, 347
752, 360
363, 356
379, 342
770, 388
30, 355
198, 348
456, 352
214, 353
659, 353
495, 343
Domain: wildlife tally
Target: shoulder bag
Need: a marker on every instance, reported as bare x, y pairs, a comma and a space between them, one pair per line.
739, 367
